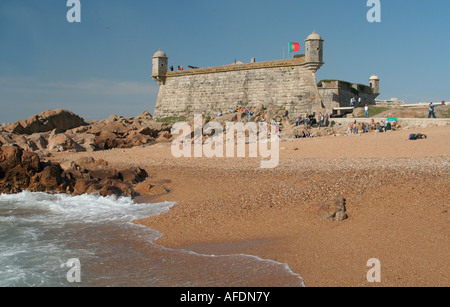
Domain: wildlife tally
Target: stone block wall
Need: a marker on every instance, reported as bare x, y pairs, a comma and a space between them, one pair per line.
336, 94
208, 91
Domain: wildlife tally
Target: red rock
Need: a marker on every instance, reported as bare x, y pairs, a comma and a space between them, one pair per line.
47, 121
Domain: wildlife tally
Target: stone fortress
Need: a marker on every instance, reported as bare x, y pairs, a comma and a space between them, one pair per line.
290, 84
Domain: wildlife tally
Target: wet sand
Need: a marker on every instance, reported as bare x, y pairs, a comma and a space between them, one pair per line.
397, 198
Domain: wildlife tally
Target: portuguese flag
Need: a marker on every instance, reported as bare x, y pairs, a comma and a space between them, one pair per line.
294, 47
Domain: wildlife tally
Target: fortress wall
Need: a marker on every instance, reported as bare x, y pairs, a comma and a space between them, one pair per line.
330, 98
336, 94
285, 83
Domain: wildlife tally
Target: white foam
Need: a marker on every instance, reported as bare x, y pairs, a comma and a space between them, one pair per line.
86, 208
37, 231
43, 230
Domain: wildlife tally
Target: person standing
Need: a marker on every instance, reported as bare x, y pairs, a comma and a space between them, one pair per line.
366, 111
431, 111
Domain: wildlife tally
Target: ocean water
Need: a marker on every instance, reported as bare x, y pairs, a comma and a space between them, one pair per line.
40, 233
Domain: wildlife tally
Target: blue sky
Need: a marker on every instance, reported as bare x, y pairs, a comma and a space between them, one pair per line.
102, 66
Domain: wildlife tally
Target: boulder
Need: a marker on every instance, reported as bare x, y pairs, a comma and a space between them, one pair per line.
133, 175
85, 140
10, 157
150, 188
108, 140
17, 167
116, 128
145, 116
62, 142
47, 121
101, 174
86, 186
164, 136
121, 187
137, 139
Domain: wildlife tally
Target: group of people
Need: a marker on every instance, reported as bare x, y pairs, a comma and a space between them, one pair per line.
355, 128
240, 109
311, 120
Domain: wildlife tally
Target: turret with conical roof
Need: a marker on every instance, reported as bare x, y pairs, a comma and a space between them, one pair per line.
159, 69
374, 82
314, 51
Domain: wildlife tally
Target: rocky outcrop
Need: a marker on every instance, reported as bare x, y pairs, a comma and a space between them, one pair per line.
61, 130
23, 170
47, 121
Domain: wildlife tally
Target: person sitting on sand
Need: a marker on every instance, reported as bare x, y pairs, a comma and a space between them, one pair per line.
365, 128
382, 126
350, 129
388, 126
373, 126
394, 126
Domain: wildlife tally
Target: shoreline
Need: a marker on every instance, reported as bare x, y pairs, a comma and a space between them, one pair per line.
396, 203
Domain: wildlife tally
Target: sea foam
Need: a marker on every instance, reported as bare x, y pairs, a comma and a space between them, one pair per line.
40, 232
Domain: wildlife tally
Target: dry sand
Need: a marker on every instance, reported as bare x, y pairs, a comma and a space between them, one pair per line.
397, 194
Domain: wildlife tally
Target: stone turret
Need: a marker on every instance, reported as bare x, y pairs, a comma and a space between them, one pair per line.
314, 51
374, 82
159, 69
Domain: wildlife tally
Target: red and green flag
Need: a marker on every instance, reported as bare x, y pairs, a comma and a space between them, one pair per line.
294, 47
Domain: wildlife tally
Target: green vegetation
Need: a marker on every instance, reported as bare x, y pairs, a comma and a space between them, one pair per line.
171, 119
443, 112
374, 110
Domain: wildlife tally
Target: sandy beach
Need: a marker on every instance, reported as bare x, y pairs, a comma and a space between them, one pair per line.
397, 199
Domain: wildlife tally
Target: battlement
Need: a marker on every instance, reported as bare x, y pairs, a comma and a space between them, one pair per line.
238, 67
